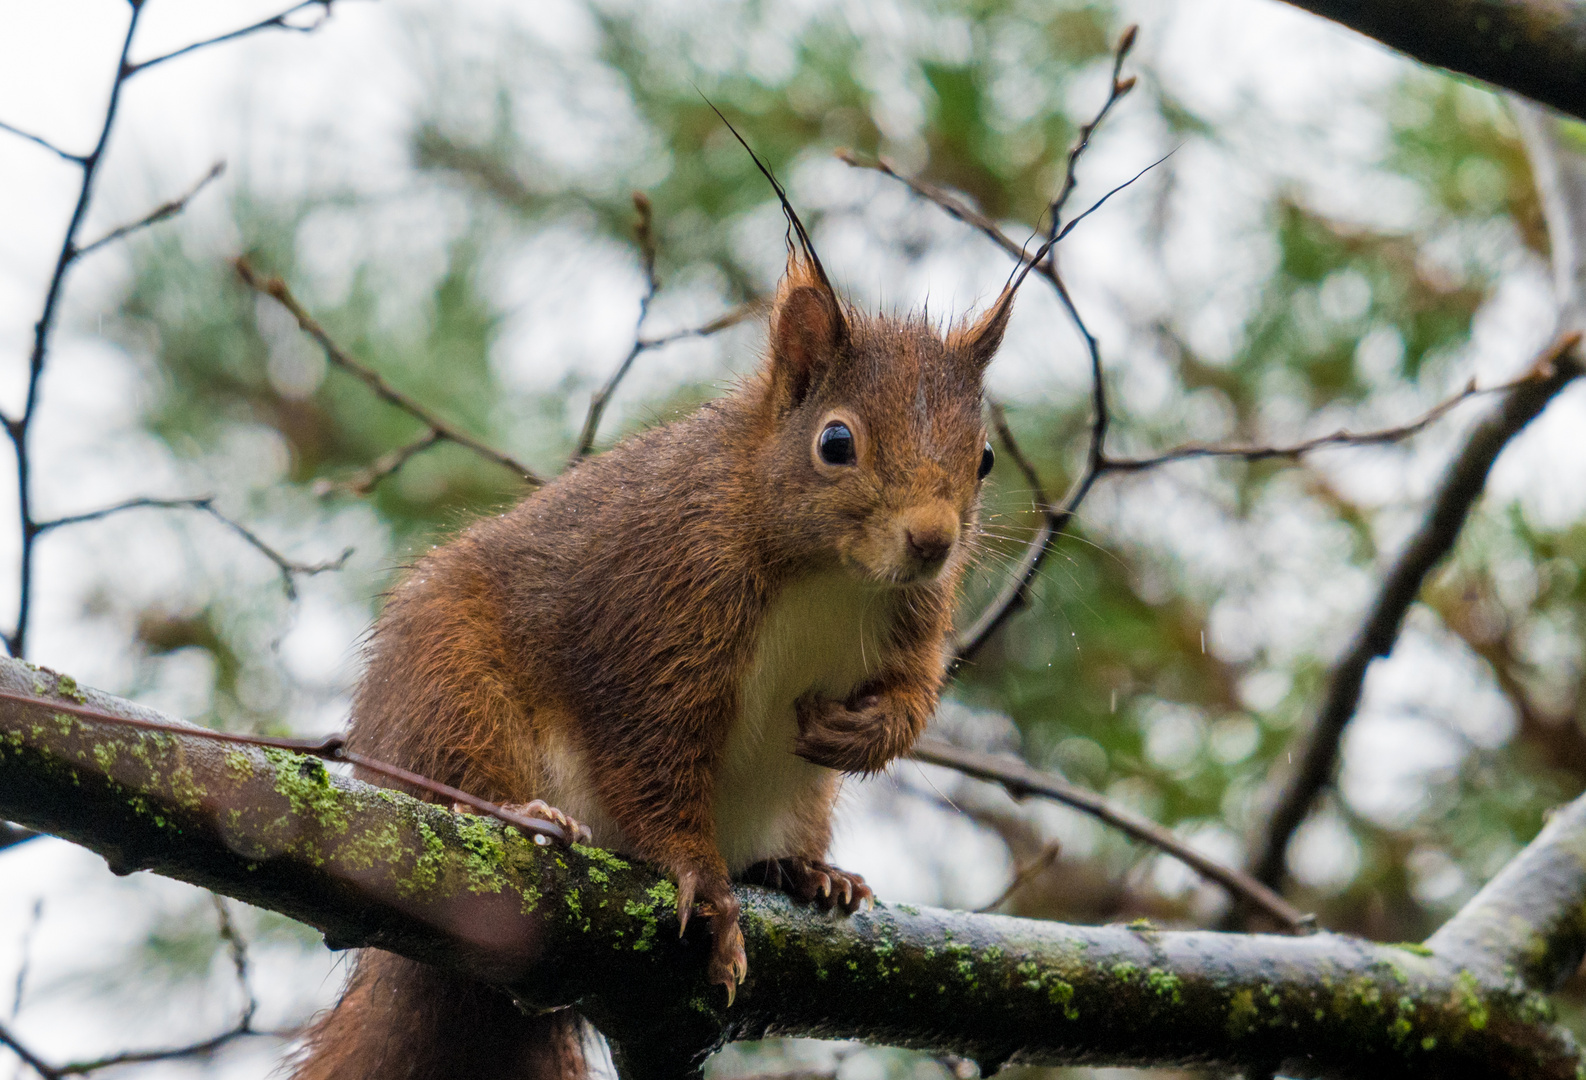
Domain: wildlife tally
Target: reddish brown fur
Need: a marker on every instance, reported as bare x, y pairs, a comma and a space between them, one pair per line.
606, 630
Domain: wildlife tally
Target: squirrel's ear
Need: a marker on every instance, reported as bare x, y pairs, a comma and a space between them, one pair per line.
977, 342
807, 330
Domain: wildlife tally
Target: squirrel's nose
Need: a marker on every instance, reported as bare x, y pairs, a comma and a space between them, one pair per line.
929, 540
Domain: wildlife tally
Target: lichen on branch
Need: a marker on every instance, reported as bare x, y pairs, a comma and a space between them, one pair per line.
581, 926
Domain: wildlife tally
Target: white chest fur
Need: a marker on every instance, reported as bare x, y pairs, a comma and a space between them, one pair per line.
826, 633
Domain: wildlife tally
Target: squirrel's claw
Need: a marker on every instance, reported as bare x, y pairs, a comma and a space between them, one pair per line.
687, 884
729, 964
577, 833
812, 882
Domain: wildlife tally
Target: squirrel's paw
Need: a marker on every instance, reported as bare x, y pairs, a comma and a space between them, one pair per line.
728, 961
538, 808
812, 882
576, 831
847, 736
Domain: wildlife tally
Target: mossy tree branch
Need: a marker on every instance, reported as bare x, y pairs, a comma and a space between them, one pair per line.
369, 866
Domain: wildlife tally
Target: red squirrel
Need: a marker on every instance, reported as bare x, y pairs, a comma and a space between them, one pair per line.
683, 644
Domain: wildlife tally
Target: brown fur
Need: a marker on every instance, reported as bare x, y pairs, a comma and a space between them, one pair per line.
603, 644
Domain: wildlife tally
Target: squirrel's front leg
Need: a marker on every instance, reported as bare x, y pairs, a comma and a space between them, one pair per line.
865, 732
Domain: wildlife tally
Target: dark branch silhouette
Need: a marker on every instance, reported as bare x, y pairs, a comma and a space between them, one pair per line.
645, 234
1534, 47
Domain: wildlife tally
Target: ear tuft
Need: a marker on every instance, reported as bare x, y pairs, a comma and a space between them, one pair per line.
977, 342
807, 330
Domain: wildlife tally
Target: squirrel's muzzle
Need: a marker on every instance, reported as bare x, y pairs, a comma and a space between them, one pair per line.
929, 533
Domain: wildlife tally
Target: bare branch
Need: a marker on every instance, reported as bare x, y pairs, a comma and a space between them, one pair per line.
158, 214
1117, 89
29, 1058
75, 159
1341, 437
1462, 485
1044, 861
275, 22
745, 311
289, 569
18, 428
276, 288
388, 464
237, 945
1020, 781
644, 232
19, 990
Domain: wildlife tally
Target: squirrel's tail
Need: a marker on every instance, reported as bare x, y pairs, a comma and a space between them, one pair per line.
402, 1020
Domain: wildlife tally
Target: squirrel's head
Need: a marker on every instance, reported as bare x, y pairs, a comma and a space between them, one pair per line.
878, 443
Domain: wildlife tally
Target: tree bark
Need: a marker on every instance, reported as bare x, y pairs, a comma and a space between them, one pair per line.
1534, 47
369, 866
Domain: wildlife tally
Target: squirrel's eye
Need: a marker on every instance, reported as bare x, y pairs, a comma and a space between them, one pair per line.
836, 444
987, 460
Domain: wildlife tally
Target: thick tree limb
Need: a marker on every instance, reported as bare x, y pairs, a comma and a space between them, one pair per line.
1534, 47
373, 867
1316, 757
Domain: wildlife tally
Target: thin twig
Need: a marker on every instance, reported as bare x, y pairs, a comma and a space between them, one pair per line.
290, 570
237, 945
1020, 781
19, 990
1030, 870
201, 1049
330, 748
1055, 520
644, 233
275, 22
18, 428
745, 311
1118, 88
1462, 485
388, 464
1341, 437
276, 288
75, 159
158, 214
29, 1058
